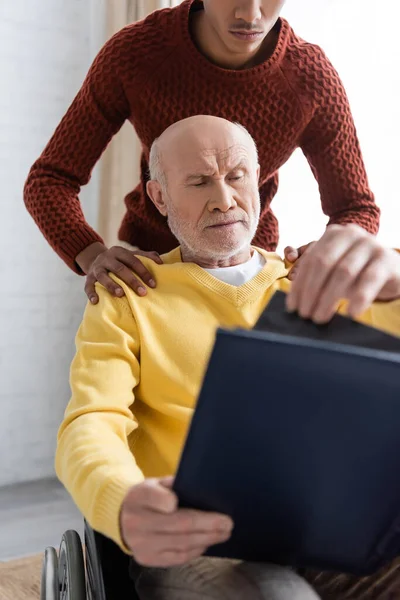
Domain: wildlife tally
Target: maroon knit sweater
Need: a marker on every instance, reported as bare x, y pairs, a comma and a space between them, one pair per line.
152, 73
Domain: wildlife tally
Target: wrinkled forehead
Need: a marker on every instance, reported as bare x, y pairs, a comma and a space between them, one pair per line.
201, 152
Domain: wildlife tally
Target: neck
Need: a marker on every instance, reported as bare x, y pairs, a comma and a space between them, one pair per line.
208, 262
212, 47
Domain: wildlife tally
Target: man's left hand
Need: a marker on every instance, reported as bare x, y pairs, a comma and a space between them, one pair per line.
347, 263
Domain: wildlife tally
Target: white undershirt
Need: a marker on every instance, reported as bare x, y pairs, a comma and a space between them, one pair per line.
240, 274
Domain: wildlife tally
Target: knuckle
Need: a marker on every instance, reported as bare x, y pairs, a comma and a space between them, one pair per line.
322, 262
361, 297
371, 276
381, 253
97, 271
110, 286
118, 268
133, 282
345, 271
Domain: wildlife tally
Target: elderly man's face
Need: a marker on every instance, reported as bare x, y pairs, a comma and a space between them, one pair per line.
211, 196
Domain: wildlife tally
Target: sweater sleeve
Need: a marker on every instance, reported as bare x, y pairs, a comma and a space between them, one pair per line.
93, 457
54, 181
331, 146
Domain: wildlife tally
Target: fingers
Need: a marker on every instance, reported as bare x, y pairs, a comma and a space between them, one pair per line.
366, 289
153, 496
341, 282
291, 254
314, 270
160, 534
293, 272
316, 266
167, 540
153, 255
127, 266
175, 559
167, 558
123, 273
187, 521
90, 289
169, 550
346, 264
131, 260
167, 482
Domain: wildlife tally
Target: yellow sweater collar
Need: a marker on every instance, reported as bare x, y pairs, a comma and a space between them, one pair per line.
273, 269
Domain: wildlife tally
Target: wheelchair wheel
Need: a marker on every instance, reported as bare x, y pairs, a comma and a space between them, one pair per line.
49, 587
71, 569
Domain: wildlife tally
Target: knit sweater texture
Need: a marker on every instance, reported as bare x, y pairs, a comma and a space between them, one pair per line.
152, 74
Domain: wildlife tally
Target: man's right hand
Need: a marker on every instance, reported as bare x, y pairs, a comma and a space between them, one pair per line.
97, 261
160, 534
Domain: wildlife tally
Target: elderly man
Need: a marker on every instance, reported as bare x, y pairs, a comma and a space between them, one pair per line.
140, 360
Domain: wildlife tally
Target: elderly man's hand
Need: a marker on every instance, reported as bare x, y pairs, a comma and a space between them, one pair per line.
160, 534
347, 263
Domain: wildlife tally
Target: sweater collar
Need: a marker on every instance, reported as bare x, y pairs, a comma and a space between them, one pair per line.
273, 270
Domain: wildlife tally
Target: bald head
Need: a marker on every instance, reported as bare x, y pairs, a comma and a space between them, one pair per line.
194, 137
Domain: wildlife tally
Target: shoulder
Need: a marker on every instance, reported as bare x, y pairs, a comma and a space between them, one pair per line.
309, 71
304, 54
306, 59
146, 35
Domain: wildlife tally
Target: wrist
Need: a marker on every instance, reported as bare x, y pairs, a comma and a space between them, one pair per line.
85, 258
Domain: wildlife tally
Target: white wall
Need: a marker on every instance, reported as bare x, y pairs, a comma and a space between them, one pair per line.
45, 51
360, 38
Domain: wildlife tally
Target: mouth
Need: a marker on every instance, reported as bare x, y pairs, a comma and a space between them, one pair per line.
247, 36
223, 225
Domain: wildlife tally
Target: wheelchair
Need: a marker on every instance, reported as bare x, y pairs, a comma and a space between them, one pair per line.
97, 570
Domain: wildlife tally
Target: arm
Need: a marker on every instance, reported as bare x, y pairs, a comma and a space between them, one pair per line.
332, 149
93, 459
51, 190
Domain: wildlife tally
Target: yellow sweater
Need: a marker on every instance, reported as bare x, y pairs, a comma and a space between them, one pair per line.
137, 373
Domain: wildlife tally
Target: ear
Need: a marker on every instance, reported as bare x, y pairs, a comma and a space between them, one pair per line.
258, 172
156, 195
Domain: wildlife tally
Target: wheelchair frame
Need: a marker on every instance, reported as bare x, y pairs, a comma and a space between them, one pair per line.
99, 572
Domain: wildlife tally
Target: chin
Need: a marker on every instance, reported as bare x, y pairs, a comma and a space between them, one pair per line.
223, 251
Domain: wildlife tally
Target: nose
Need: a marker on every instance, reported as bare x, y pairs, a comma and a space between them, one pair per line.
249, 11
222, 198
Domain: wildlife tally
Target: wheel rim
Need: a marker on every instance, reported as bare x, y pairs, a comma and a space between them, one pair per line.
71, 571
49, 588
